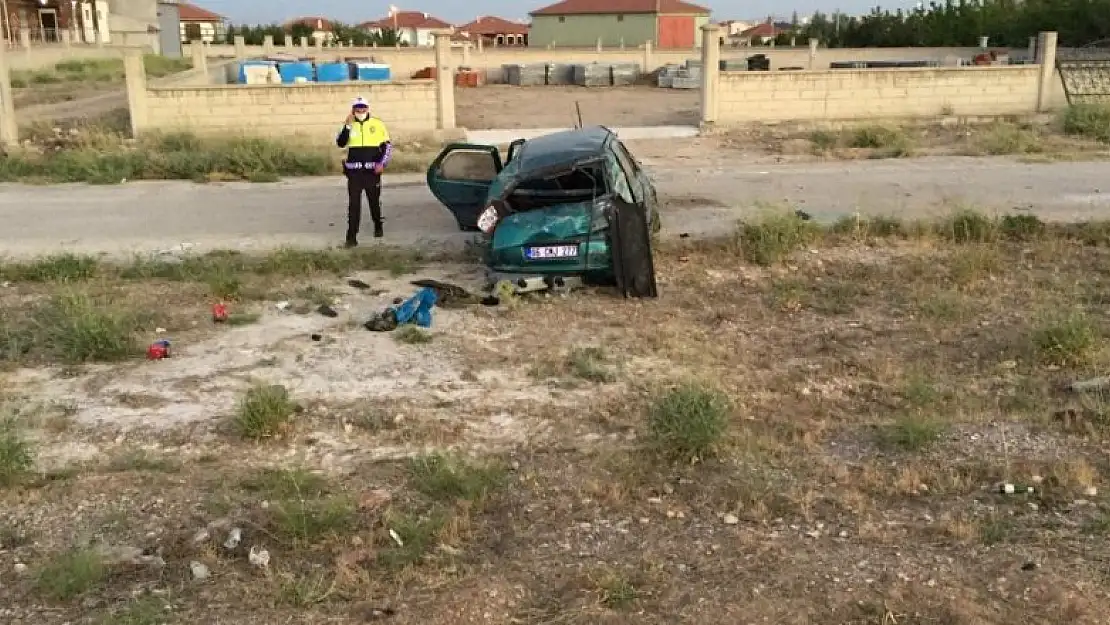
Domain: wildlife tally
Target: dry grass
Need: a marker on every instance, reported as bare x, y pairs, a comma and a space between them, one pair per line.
1080, 133
104, 154
810, 425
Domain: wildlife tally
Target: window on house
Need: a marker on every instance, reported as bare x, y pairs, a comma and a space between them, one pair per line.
562, 19
620, 18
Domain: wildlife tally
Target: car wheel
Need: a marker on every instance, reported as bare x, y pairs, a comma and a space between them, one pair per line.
656, 225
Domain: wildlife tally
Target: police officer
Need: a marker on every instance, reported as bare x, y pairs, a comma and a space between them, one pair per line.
369, 150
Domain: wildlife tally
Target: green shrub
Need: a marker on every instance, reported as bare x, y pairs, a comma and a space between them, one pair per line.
688, 422
1088, 120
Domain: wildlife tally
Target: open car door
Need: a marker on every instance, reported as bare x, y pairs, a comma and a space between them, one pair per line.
630, 241
460, 178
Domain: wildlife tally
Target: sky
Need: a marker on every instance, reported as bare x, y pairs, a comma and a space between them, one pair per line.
461, 12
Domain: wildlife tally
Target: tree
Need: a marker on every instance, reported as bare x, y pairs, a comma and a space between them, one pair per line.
962, 22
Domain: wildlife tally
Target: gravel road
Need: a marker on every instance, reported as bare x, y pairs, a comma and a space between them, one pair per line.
154, 216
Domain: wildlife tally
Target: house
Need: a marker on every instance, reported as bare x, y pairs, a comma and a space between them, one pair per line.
759, 35
199, 24
579, 23
413, 28
495, 31
44, 22
733, 28
318, 29
122, 22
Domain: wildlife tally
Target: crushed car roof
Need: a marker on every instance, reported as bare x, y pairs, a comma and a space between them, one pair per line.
560, 149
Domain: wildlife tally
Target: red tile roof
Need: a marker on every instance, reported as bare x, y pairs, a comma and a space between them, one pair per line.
493, 25
593, 7
761, 30
193, 13
315, 23
407, 19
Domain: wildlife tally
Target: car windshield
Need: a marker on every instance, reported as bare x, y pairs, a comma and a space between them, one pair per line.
497, 187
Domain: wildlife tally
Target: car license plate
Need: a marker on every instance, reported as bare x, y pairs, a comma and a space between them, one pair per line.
547, 252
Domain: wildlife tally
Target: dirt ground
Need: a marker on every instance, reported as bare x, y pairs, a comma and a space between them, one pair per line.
505, 106
877, 411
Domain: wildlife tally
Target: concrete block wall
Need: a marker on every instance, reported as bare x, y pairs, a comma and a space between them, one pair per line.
315, 111
736, 98
406, 61
748, 97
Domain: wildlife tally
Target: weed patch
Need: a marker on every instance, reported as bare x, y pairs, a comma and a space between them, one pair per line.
71, 574
266, 411
1066, 339
689, 422
772, 239
448, 478
1088, 120
16, 454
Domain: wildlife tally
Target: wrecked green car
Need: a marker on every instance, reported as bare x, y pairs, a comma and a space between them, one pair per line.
563, 209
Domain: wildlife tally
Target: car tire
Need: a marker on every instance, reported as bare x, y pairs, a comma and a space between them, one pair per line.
656, 225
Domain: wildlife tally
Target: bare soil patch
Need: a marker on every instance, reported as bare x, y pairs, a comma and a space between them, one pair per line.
859, 425
506, 106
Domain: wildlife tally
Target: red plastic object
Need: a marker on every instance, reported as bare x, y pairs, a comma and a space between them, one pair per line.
158, 350
219, 313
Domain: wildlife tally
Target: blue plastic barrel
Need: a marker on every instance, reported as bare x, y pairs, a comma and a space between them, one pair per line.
333, 72
371, 71
299, 71
244, 64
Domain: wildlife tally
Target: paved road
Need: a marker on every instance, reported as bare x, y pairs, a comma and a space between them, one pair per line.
154, 216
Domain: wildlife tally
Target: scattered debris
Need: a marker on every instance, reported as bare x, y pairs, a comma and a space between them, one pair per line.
417, 310
396, 538
447, 295
358, 284
259, 557
327, 311
158, 350
317, 337
219, 313
199, 570
234, 537
283, 306
731, 519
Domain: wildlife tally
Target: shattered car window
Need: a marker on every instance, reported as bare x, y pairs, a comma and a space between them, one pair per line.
617, 180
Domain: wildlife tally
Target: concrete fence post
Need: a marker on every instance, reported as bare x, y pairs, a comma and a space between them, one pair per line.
67, 38
268, 44
649, 66
304, 42
710, 72
135, 76
9, 127
445, 81
1032, 48
466, 54
200, 57
25, 37
1046, 58
240, 47
622, 43
813, 43
599, 44
480, 44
